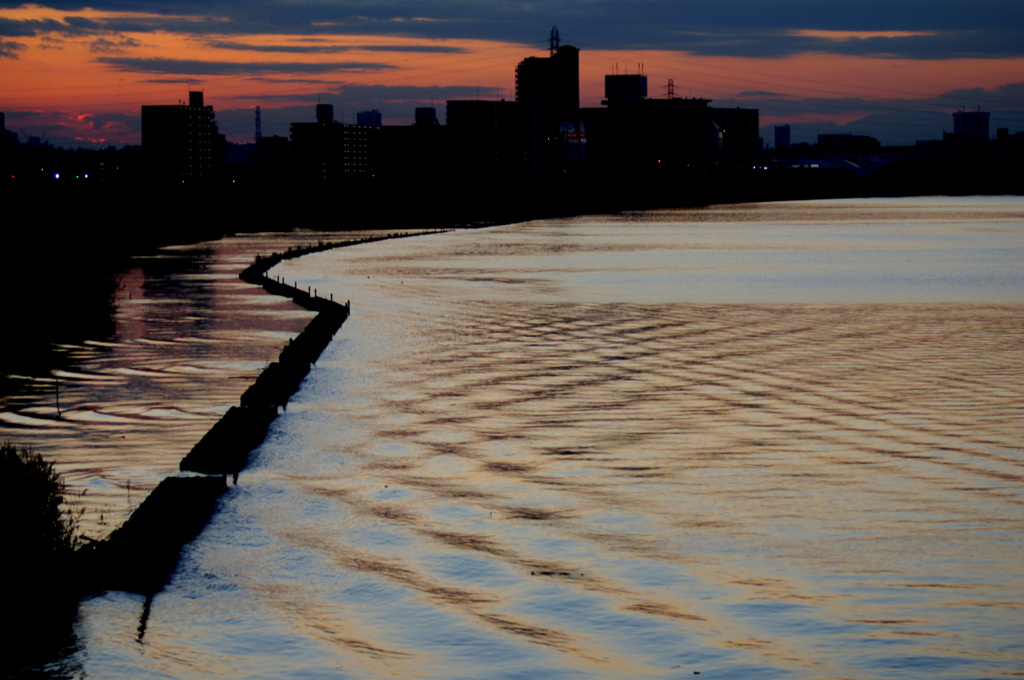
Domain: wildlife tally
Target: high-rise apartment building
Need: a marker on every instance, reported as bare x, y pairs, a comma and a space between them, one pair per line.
548, 89
552, 84
328, 151
485, 139
180, 142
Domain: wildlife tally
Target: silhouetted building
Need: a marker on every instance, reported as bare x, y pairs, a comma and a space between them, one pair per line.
782, 136
325, 114
271, 157
10, 152
328, 151
485, 138
426, 116
971, 126
626, 87
181, 142
413, 154
548, 88
369, 118
552, 84
634, 134
3, 137
740, 129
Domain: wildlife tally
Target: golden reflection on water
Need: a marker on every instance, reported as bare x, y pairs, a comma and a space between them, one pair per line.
769, 479
597, 448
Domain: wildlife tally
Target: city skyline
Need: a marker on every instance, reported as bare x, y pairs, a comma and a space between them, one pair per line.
79, 76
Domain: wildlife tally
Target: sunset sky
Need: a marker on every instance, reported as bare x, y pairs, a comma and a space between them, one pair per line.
894, 69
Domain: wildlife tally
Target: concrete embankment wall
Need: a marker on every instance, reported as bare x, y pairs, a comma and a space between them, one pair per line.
140, 555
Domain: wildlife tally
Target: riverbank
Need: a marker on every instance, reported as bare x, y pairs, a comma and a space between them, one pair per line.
140, 555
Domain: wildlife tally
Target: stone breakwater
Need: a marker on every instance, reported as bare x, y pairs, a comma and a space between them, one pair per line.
141, 554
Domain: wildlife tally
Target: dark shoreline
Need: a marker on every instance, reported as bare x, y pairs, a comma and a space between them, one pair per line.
60, 273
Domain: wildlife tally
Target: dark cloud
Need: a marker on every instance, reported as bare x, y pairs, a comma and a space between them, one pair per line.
936, 45
324, 84
82, 24
50, 42
1005, 96
49, 29
170, 81
191, 67
938, 29
417, 49
332, 49
12, 28
9, 49
117, 46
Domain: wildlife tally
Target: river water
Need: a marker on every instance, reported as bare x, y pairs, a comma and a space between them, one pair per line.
761, 441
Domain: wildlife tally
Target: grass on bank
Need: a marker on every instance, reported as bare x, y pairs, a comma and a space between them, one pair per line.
40, 536
39, 522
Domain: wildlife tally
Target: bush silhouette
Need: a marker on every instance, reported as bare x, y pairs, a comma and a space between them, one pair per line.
32, 496
40, 537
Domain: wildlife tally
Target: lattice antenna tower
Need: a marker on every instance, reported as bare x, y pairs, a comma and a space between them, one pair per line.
554, 40
259, 125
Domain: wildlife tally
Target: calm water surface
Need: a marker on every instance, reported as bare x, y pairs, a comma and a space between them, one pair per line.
767, 441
